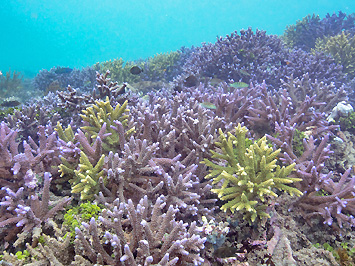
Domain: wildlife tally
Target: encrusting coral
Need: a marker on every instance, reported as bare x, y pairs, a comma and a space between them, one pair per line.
248, 175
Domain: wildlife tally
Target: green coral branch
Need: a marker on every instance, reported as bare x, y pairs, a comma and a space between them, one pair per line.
103, 112
87, 179
342, 48
248, 176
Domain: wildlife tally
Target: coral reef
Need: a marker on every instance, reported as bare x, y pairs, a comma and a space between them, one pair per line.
12, 84
145, 169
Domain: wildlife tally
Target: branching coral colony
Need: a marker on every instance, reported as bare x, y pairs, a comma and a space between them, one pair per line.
139, 176
249, 174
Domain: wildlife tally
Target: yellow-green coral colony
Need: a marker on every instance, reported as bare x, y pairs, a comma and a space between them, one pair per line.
155, 66
87, 178
102, 112
248, 176
342, 48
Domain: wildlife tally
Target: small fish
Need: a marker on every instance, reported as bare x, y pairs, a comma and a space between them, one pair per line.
243, 72
145, 98
215, 81
208, 105
239, 85
0, 73
285, 63
122, 90
190, 81
10, 103
136, 70
63, 70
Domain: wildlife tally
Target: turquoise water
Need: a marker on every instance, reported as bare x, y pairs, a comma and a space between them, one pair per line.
41, 34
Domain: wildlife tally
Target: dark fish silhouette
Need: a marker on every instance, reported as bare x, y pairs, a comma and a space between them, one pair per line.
191, 81
10, 103
63, 70
136, 70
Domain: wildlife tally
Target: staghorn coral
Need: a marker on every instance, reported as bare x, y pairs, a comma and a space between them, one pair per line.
116, 119
8, 150
292, 105
237, 56
328, 95
77, 100
73, 100
306, 31
334, 202
141, 235
88, 178
28, 213
342, 48
249, 174
256, 58
84, 78
160, 67
132, 175
107, 88
82, 160
27, 120
119, 70
19, 168
323, 195
296, 35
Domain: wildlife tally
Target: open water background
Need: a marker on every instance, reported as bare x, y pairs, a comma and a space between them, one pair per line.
37, 35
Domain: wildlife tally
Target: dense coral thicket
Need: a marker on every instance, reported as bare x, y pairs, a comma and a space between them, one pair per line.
256, 57
58, 78
342, 48
305, 32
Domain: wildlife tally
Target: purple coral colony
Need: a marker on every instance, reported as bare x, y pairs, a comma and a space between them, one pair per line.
238, 152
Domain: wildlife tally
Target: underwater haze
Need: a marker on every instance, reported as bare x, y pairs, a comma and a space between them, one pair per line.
39, 35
